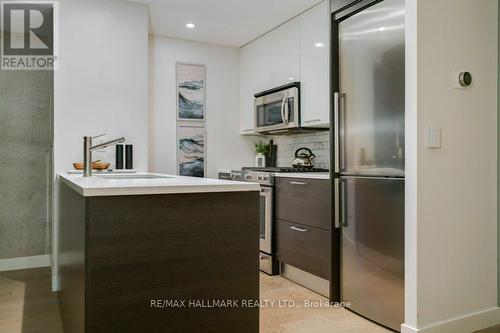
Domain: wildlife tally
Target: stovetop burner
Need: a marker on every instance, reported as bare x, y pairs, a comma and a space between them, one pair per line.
284, 169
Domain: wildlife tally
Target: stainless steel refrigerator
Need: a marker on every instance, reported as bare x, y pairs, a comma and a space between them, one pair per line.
369, 150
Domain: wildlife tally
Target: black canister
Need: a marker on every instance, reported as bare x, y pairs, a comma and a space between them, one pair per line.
129, 157
119, 157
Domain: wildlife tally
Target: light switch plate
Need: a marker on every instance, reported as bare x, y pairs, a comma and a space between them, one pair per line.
433, 137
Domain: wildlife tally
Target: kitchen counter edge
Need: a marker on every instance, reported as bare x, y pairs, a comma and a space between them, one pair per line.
95, 186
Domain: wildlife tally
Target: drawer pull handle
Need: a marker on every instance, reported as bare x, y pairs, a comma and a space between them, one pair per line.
312, 121
299, 229
298, 183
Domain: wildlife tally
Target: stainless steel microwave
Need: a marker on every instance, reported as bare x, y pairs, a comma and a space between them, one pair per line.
278, 110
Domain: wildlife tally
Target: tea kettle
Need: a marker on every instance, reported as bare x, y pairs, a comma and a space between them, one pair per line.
303, 158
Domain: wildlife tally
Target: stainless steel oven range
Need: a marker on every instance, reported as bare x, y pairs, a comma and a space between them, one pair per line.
266, 181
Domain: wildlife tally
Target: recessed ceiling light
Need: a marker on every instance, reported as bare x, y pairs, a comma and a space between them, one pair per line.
319, 44
291, 78
190, 25
382, 28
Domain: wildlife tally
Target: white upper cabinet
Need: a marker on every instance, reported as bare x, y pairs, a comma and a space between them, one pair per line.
268, 62
249, 81
281, 55
315, 66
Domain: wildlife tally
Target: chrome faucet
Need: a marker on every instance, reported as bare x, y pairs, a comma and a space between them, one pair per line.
88, 149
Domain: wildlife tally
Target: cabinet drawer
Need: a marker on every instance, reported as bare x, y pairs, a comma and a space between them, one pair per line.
304, 247
304, 201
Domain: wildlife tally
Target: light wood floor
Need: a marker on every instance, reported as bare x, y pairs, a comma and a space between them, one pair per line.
27, 305
299, 319
495, 329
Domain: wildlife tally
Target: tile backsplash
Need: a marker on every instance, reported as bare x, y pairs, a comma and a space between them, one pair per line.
318, 142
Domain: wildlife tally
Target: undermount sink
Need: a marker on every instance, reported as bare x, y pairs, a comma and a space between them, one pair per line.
133, 177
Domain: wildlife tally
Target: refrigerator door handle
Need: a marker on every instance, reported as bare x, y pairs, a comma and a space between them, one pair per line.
336, 198
343, 203
336, 129
341, 135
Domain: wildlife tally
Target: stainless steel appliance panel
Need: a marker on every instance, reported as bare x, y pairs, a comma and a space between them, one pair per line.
266, 219
266, 263
372, 264
370, 104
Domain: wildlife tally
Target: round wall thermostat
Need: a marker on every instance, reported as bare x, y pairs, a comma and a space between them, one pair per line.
465, 79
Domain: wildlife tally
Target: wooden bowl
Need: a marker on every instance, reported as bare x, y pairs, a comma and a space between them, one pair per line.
95, 166
100, 166
78, 166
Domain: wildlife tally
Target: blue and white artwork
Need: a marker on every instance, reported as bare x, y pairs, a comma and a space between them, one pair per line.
191, 92
191, 150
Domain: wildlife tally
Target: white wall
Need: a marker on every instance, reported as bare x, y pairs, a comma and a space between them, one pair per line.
451, 208
101, 85
226, 148
102, 81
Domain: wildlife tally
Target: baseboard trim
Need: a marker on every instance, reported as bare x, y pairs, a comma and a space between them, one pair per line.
13, 264
464, 324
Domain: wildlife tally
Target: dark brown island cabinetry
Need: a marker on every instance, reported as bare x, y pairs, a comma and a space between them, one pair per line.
305, 237
123, 258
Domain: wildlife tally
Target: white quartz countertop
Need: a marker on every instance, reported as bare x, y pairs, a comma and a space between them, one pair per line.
111, 185
308, 175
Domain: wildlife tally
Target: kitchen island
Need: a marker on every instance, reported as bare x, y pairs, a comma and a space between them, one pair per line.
157, 253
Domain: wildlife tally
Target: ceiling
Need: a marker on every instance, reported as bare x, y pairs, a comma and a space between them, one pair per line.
225, 22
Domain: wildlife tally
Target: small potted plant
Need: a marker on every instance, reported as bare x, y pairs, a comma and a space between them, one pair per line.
261, 149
